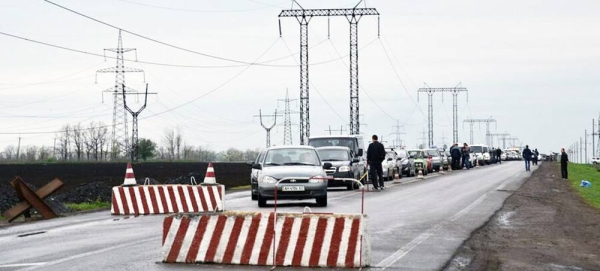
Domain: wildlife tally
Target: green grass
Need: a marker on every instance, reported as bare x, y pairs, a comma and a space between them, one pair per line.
2, 218
241, 187
578, 172
88, 206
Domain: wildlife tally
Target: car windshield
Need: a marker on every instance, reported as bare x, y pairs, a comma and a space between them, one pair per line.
416, 154
485, 149
324, 142
333, 155
402, 154
476, 149
390, 154
291, 157
433, 153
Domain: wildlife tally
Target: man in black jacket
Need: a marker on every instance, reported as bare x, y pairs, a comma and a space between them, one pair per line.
376, 155
499, 155
564, 159
527, 157
455, 153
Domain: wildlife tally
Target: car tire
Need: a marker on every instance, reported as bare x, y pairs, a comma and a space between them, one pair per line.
322, 201
262, 202
254, 196
350, 186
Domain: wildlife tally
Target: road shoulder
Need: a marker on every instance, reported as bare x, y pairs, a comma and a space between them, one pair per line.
544, 225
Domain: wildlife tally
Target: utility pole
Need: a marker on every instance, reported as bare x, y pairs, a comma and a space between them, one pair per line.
353, 15
134, 115
341, 130
487, 128
397, 133
119, 140
287, 119
580, 151
18, 148
594, 134
430, 91
585, 144
268, 129
500, 136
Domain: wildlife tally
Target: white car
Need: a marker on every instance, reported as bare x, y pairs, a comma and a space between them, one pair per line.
390, 165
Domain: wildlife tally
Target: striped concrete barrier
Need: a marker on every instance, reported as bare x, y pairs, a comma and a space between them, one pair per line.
307, 240
167, 199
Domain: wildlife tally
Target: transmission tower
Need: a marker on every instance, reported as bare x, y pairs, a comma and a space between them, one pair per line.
430, 91
287, 119
501, 136
513, 139
596, 133
268, 129
134, 133
423, 137
487, 128
353, 15
397, 133
341, 130
119, 138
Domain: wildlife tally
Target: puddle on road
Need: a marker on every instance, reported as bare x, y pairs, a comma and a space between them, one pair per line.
504, 220
557, 267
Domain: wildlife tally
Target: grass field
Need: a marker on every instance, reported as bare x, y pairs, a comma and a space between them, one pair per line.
88, 206
2, 218
578, 172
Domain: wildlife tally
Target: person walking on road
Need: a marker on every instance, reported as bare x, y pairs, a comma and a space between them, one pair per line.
527, 157
465, 156
499, 155
376, 155
535, 157
564, 159
455, 154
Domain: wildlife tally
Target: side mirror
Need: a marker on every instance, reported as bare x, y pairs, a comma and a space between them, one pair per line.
389, 159
256, 166
360, 152
327, 166
355, 160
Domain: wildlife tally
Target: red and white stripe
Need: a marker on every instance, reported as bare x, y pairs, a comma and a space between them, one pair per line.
167, 199
129, 176
308, 240
210, 178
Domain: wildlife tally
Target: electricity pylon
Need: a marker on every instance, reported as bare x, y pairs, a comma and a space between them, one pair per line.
268, 129
135, 114
487, 128
430, 91
287, 119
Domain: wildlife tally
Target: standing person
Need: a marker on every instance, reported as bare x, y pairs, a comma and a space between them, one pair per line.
527, 157
376, 155
535, 156
564, 159
455, 154
499, 155
465, 156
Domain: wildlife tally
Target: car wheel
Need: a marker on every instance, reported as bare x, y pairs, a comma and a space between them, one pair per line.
322, 201
254, 196
262, 202
350, 186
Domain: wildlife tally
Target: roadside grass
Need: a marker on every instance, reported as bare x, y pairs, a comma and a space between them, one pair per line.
2, 218
241, 187
578, 172
86, 206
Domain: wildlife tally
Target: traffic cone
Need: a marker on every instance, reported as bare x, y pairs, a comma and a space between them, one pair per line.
441, 171
397, 178
129, 177
420, 174
210, 175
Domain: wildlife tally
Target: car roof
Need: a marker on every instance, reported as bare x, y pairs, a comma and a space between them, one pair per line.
291, 147
333, 148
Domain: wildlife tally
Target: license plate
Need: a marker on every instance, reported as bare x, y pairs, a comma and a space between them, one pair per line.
292, 188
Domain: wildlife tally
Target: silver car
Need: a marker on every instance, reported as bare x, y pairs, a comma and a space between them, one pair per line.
436, 158
296, 171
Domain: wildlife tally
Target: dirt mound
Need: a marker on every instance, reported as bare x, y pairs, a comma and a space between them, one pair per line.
544, 225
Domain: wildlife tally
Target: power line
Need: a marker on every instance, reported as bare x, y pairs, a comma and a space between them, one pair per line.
206, 11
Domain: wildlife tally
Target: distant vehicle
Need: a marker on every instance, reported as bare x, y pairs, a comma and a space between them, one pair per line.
446, 160
343, 166
355, 143
480, 153
301, 170
389, 165
436, 159
595, 160
420, 161
407, 163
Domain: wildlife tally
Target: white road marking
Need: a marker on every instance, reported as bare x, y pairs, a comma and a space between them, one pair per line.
399, 254
20, 264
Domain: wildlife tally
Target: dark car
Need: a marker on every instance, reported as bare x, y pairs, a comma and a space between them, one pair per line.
407, 162
254, 175
344, 165
296, 172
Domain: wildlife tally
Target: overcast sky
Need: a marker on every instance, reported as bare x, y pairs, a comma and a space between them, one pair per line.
530, 65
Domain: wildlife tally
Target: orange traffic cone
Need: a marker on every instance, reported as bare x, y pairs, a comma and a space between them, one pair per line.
129, 177
210, 175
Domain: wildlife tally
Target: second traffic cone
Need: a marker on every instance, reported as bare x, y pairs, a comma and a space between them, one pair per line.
210, 175
420, 174
129, 177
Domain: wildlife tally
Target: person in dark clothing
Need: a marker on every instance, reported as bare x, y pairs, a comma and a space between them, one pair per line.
527, 157
466, 156
376, 155
455, 154
499, 155
535, 154
564, 159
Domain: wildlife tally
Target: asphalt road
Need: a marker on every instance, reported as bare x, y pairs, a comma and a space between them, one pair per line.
414, 225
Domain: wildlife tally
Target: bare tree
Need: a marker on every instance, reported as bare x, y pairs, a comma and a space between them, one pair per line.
78, 141
9, 152
44, 153
31, 153
64, 142
178, 141
169, 143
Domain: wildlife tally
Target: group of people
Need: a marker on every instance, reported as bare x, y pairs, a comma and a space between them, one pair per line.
460, 156
530, 157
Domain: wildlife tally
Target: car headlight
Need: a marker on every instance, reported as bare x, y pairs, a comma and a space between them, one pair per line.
344, 169
316, 179
268, 179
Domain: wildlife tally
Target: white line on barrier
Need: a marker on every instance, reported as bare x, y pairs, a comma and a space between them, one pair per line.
344, 245
188, 199
260, 236
310, 239
326, 241
186, 243
239, 248
138, 197
289, 253
148, 199
208, 233
128, 199
178, 199
399, 254
225, 234
158, 199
